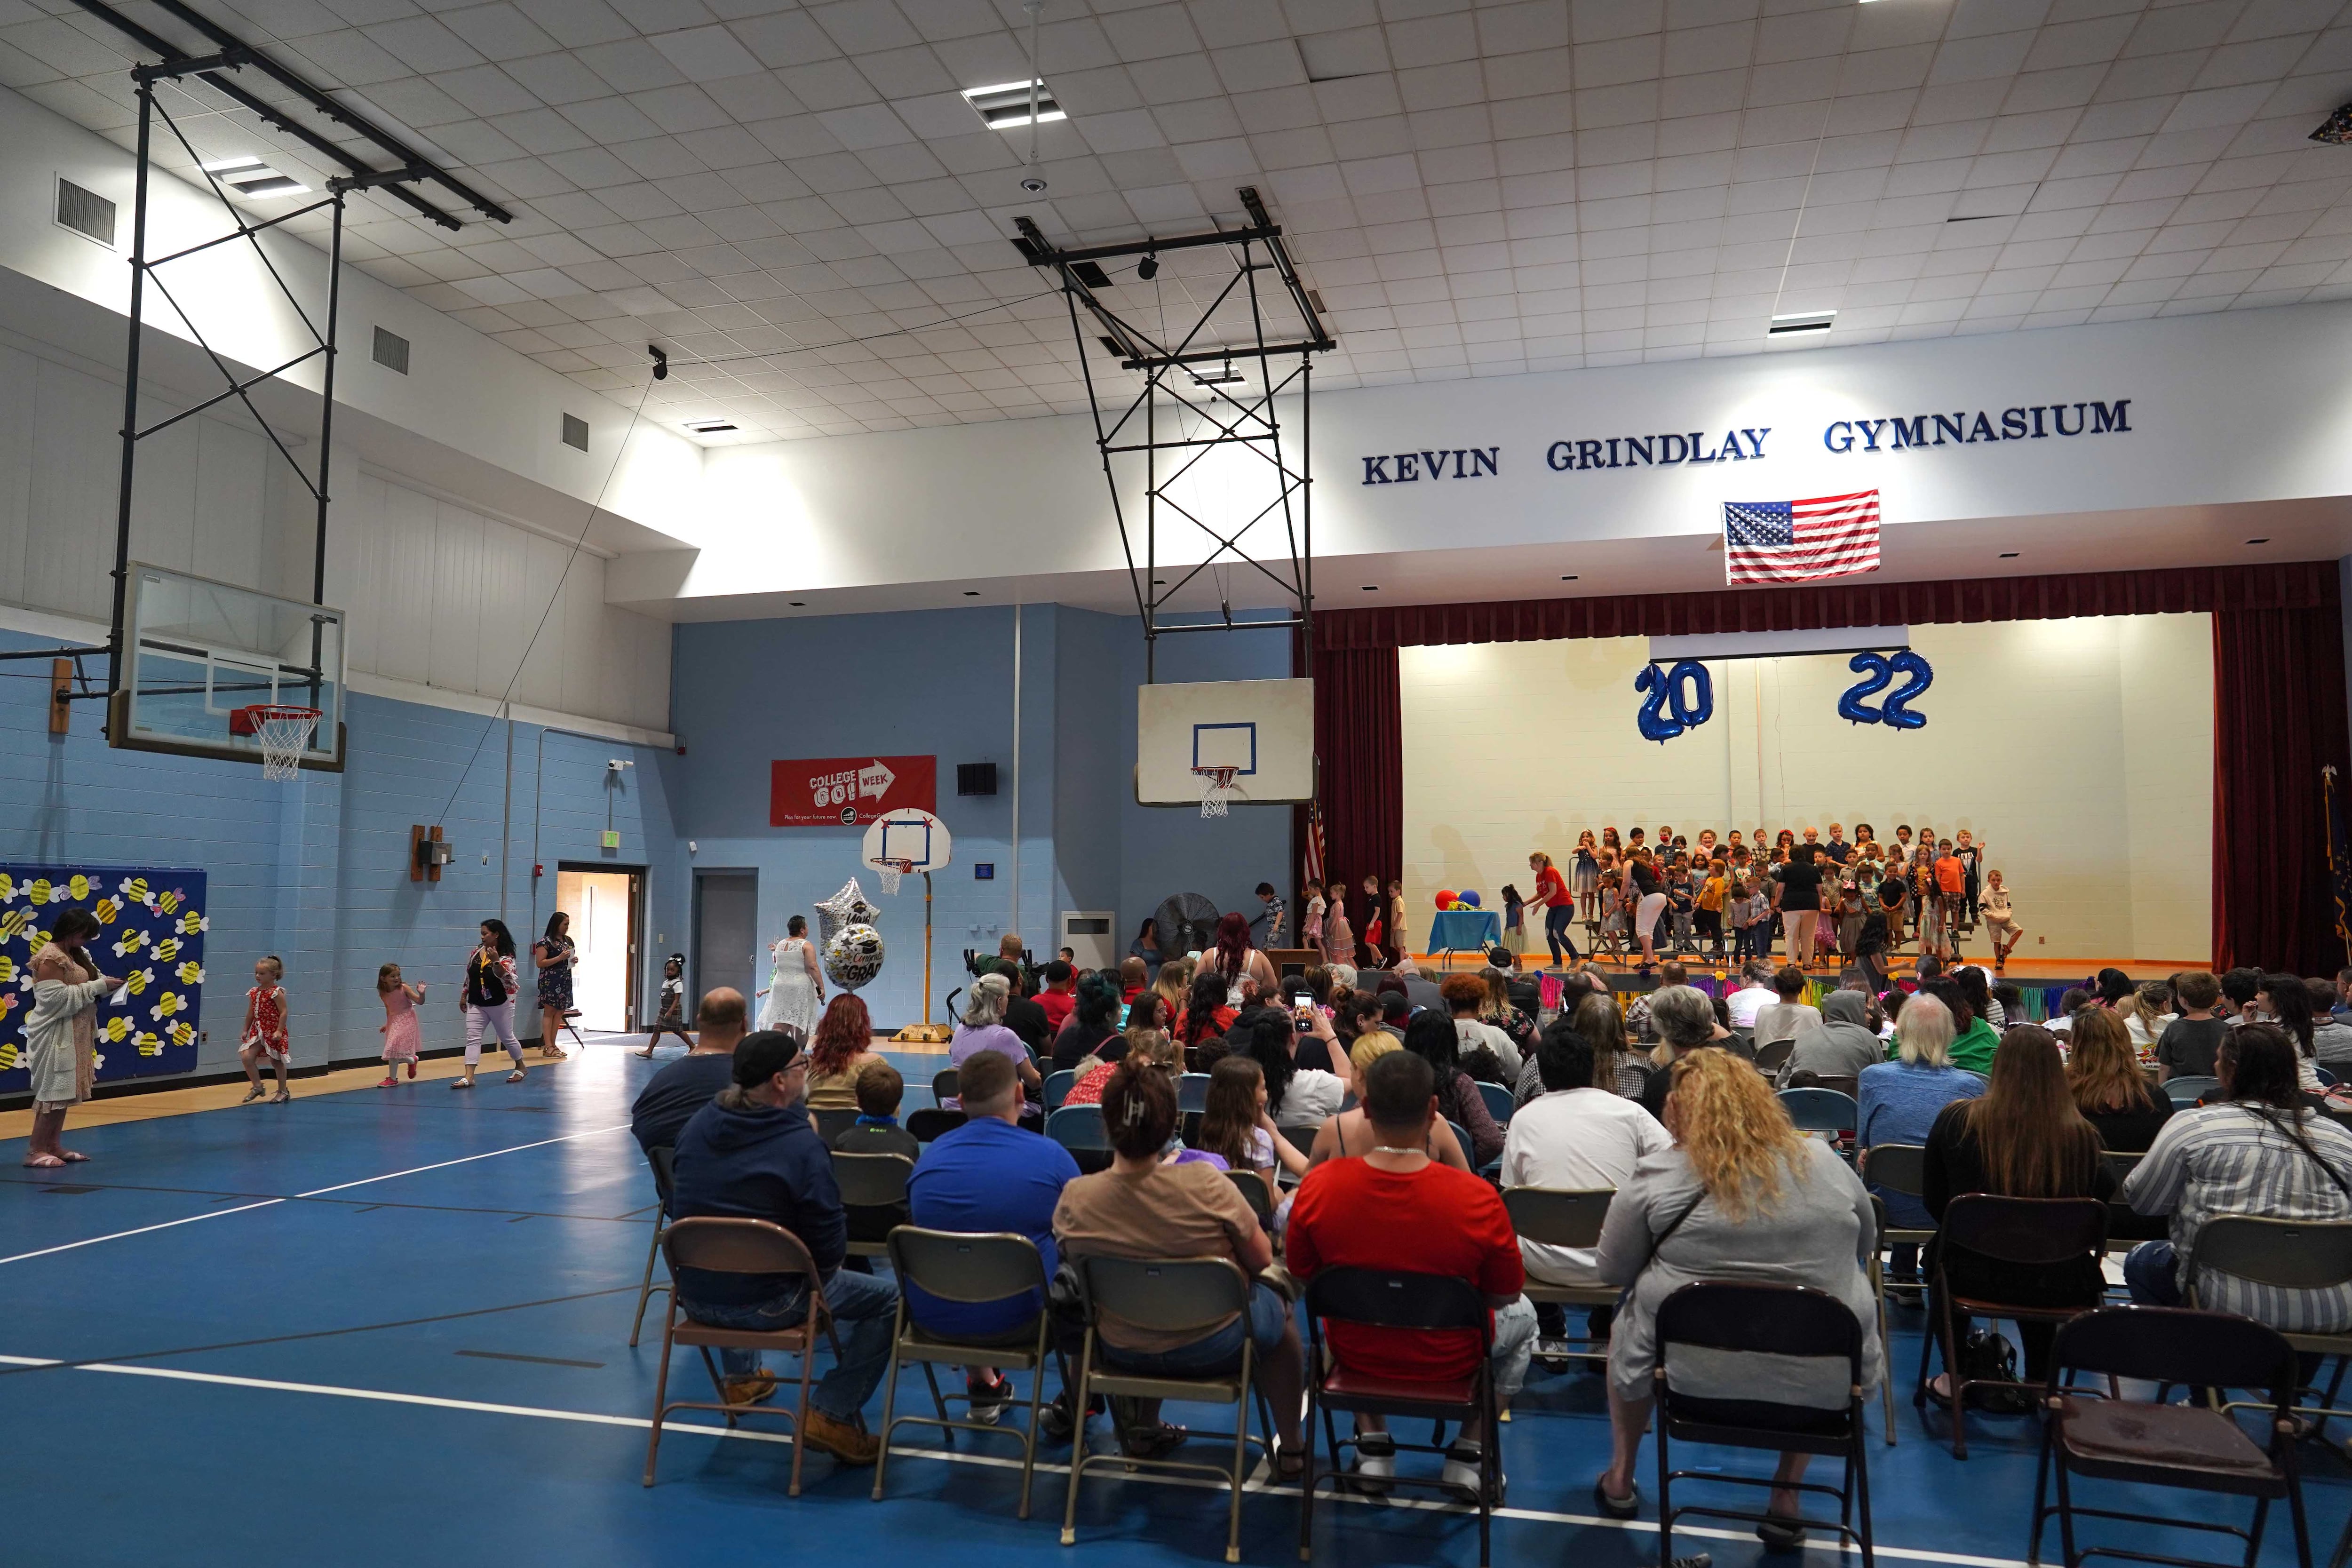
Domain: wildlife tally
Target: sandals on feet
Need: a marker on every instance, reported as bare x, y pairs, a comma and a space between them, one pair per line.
461, 1083
1151, 1442
516, 1076
1781, 1533
45, 1163
1626, 1506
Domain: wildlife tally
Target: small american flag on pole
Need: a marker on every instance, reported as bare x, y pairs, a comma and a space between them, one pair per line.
1798, 540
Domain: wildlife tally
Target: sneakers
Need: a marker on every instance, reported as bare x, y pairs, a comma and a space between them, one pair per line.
850, 1445
411, 1066
1375, 1465
987, 1400
1462, 1463
389, 1081
754, 1388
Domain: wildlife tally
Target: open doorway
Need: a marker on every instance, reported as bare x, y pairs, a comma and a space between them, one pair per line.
604, 906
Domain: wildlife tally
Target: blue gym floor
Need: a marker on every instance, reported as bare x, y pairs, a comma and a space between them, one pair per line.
391, 1326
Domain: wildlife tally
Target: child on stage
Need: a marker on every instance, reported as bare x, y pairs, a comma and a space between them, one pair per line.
2001, 921
402, 1038
264, 1039
1586, 874
1311, 933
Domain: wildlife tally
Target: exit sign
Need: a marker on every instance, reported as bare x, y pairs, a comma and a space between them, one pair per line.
612, 838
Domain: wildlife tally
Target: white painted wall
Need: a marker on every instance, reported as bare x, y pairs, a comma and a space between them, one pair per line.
2080, 750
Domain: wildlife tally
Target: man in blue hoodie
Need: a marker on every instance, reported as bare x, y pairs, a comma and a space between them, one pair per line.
753, 1153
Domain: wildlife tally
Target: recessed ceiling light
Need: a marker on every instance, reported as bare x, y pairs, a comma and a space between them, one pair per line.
1800, 323
1006, 106
710, 426
2265, 539
249, 176
2009, 555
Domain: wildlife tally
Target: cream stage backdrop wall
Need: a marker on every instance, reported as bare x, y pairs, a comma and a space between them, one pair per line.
2080, 750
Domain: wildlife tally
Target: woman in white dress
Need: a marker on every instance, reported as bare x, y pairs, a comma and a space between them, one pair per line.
796, 982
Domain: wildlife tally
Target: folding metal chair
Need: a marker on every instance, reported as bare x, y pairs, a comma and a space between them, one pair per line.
658, 1157
872, 1186
1780, 1322
1821, 1110
832, 1124
2125, 1227
2288, 1255
1563, 1216
2187, 1091
2191, 1446
929, 1122
1254, 1193
1399, 1298
739, 1247
943, 1084
966, 1269
1899, 1168
1772, 1058
1057, 1088
1078, 1128
1173, 1296
2031, 1232
1192, 1091
1499, 1104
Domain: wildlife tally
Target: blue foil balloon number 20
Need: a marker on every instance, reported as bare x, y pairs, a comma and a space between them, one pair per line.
1674, 699
1877, 671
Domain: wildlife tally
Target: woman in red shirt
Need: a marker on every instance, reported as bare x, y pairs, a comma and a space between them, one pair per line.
1559, 905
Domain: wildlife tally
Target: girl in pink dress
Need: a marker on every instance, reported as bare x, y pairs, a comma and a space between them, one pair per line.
402, 1038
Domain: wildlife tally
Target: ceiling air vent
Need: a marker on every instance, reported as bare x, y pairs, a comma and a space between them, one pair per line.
575, 431
249, 176
710, 426
392, 351
86, 213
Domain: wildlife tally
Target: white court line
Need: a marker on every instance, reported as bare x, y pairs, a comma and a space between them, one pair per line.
640, 1422
314, 1193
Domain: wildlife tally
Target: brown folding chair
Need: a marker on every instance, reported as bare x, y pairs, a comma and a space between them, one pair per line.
1563, 1216
2191, 1446
739, 1247
868, 1183
965, 1269
658, 1157
2030, 1232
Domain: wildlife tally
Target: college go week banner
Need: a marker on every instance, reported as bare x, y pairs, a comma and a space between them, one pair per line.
833, 792
151, 933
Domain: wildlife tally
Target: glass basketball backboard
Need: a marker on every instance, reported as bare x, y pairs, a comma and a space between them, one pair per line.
198, 655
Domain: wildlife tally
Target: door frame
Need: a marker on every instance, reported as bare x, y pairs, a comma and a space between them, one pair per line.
637, 914
695, 984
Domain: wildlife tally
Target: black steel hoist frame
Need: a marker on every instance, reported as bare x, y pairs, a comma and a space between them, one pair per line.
1131, 428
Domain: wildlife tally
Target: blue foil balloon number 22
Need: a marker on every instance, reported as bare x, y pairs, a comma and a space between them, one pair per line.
1674, 699
1877, 671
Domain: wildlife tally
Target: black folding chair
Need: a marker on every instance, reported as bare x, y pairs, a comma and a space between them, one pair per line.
1397, 1299
658, 1158
873, 1189
1562, 1217
967, 1269
943, 1084
832, 1124
2043, 1232
1254, 1193
931, 1121
2193, 1446
1781, 1322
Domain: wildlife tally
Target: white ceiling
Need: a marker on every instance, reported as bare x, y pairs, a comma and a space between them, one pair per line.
1473, 190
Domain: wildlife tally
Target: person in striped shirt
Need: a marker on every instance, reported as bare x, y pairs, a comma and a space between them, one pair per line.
2254, 1149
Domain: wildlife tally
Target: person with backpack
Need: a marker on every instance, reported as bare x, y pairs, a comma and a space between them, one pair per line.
489, 1001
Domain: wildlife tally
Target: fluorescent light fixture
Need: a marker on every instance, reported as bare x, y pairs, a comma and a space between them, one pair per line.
710, 426
1800, 323
1005, 107
249, 176
1224, 377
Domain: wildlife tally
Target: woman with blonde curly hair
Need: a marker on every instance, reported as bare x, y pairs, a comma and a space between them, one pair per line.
1741, 1196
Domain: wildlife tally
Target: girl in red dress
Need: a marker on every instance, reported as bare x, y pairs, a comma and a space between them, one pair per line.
264, 1039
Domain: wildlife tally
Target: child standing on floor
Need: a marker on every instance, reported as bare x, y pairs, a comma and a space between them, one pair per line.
264, 1039
402, 1038
1515, 919
671, 1017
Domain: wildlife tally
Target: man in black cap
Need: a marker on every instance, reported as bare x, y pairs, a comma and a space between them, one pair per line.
753, 1153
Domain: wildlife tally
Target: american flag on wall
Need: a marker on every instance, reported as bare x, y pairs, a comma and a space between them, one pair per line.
1798, 540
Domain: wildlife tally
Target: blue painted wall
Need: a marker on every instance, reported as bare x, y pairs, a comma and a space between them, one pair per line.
315, 872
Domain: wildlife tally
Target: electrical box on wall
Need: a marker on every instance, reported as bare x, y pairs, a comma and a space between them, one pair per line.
1088, 933
428, 853
975, 778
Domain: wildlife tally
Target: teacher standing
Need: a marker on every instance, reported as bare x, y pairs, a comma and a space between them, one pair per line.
61, 1035
555, 953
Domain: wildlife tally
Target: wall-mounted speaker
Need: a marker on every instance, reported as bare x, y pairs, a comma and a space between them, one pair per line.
975, 778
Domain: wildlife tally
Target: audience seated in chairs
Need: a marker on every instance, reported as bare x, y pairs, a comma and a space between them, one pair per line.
2021, 1138
1205, 1016
2256, 1150
1148, 1206
1094, 1020
1686, 1022
2109, 1090
1295, 1096
1236, 1127
988, 1176
983, 1029
1153, 1046
1432, 1038
1741, 1196
877, 1129
1973, 1040
1396, 1208
1350, 1133
840, 1050
1615, 1064
753, 1153
673, 1095
1465, 998
1844, 1043
1789, 1016
1578, 1137
1898, 1101
1756, 991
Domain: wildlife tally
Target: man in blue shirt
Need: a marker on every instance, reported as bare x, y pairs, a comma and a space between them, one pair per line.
989, 1177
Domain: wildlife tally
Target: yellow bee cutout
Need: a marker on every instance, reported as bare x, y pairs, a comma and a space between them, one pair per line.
7, 970
8, 1055
150, 1044
193, 923
167, 949
191, 972
107, 910
166, 901
134, 888
40, 890
168, 1004
15, 923
115, 1029
79, 885
182, 1032
8, 888
130, 941
139, 982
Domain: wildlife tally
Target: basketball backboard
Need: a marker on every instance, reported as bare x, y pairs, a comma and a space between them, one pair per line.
904, 840
1262, 730
197, 652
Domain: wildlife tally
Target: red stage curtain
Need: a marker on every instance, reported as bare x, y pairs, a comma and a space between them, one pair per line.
2278, 683
2278, 692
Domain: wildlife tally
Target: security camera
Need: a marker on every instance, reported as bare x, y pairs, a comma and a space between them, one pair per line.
1033, 184
618, 763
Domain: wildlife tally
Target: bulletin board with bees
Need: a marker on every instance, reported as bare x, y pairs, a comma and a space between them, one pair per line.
150, 932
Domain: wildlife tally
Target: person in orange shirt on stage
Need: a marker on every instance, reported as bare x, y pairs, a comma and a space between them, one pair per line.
1557, 904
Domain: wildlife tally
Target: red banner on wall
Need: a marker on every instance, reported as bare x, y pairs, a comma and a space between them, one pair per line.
835, 792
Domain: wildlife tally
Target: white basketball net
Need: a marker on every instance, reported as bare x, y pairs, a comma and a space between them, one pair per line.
891, 870
1221, 790
283, 735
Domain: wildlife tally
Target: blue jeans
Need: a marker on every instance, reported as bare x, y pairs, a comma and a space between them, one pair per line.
1555, 937
864, 1311
2152, 1271
1221, 1352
